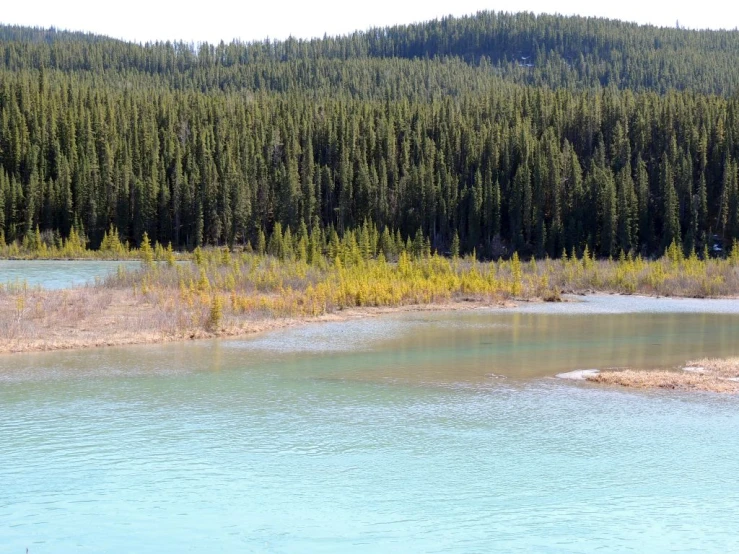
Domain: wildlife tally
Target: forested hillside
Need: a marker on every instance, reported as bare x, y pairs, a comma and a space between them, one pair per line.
500, 131
553, 51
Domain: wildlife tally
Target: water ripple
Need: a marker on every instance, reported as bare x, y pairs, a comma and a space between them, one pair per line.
195, 447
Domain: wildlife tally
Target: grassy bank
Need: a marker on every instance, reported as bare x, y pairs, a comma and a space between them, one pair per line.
224, 293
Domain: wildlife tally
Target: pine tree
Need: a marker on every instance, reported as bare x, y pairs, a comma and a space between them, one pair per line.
275, 247
146, 252
671, 229
261, 243
455, 246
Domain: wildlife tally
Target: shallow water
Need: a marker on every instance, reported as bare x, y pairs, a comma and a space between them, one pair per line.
412, 433
59, 274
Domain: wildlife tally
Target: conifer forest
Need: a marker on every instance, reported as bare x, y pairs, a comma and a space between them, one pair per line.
492, 134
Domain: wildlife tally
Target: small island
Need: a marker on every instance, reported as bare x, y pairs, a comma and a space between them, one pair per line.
706, 375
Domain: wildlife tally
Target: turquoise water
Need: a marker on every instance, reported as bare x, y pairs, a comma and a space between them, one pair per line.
57, 274
414, 433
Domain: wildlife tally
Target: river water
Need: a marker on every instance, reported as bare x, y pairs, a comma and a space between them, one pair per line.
59, 274
420, 432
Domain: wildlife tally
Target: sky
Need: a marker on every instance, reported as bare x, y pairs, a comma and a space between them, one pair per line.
216, 20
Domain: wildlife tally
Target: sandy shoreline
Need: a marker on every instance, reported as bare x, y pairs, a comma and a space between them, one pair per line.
109, 327
92, 317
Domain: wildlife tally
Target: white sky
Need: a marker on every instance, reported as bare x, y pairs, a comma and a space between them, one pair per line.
215, 20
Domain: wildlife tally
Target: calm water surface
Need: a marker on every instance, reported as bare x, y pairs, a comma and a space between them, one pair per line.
57, 274
415, 433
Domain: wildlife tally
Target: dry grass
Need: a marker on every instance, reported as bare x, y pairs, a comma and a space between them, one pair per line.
687, 278
224, 293
727, 368
91, 317
50, 320
709, 375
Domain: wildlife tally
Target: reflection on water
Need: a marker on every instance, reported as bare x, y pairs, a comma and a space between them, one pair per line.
375, 436
532, 341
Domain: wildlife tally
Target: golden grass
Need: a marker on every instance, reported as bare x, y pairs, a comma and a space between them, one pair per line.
225, 293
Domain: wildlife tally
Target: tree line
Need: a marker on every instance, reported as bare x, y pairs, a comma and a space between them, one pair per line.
541, 50
450, 151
